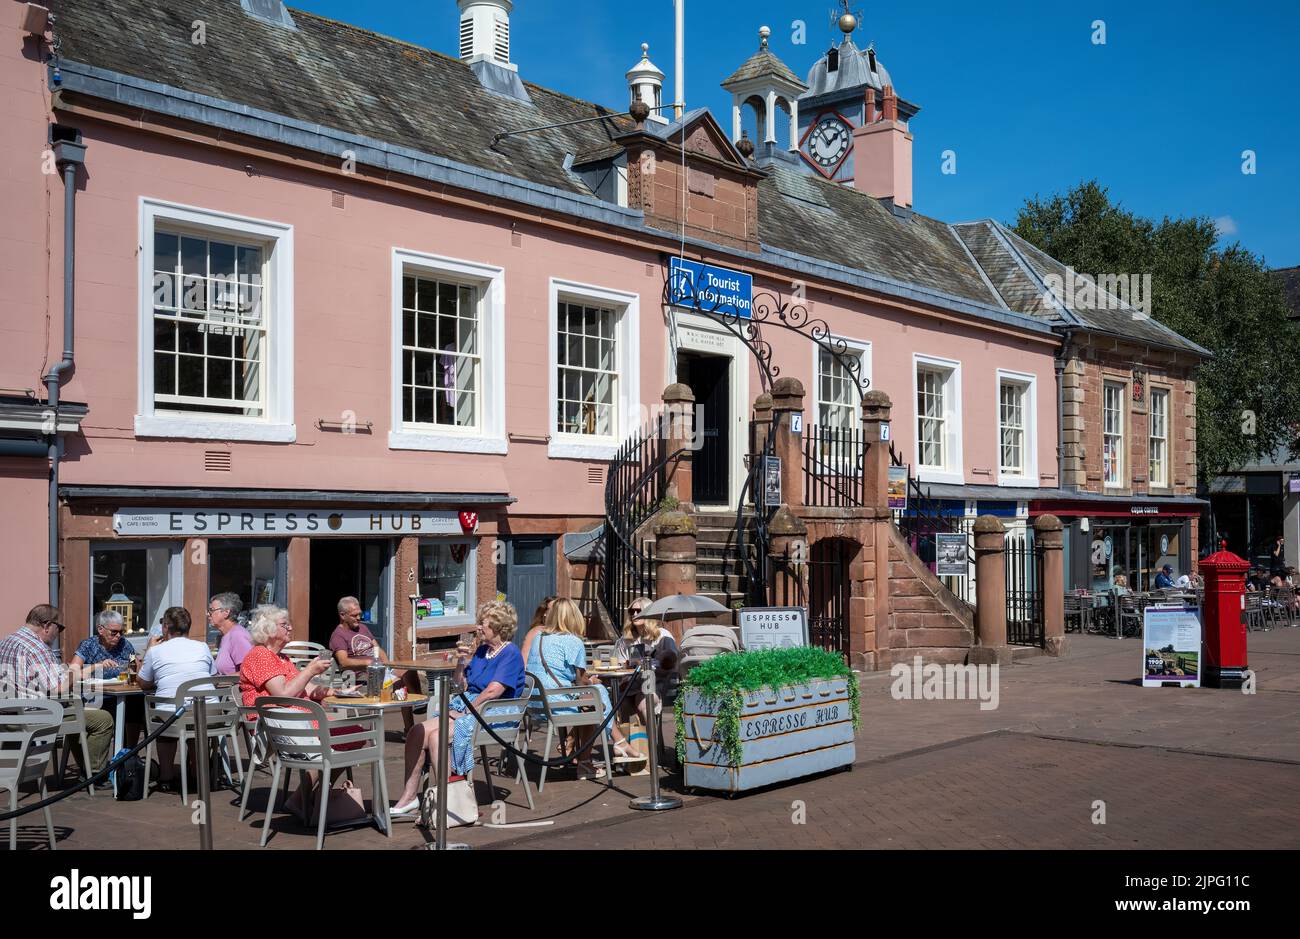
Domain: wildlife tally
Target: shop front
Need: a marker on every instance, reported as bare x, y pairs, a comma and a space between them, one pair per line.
141, 551
1107, 537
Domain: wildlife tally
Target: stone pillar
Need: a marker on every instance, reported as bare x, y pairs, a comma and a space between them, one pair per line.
406, 581
787, 398
762, 422
875, 463
1048, 536
299, 584
675, 553
678, 428
788, 552
991, 591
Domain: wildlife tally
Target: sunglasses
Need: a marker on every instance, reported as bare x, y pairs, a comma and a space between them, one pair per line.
113, 632
636, 609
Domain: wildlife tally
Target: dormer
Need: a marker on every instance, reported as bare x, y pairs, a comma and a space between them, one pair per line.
714, 199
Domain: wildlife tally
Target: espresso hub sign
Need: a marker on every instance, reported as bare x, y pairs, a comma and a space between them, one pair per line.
297, 521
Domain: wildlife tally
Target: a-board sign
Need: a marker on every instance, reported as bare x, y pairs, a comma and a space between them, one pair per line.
773, 627
1171, 646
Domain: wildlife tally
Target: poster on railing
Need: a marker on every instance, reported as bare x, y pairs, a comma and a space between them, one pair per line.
950, 556
898, 487
1171, 647
773, 627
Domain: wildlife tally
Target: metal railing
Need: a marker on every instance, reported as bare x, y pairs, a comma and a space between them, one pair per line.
1024, 580
924, 519
833, 460
634, 491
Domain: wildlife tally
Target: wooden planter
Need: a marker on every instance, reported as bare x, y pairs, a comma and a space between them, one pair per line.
785, 733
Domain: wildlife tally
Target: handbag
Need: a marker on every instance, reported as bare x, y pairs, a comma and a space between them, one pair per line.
462, 804
345, 804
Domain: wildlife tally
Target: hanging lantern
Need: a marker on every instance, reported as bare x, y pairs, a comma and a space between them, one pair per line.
119, 603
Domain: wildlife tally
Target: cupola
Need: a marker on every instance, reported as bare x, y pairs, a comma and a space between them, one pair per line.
645, 83
767, 85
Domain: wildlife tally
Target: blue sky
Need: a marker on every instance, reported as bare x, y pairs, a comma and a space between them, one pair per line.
1161, 113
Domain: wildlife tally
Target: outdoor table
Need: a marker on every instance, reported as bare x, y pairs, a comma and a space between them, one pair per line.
371, 702
119, 691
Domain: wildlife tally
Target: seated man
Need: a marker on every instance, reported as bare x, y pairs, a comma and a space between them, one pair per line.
174, 660
354, 647
1165, 579
28, 663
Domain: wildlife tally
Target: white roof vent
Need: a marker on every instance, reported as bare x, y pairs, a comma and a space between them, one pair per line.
485, 31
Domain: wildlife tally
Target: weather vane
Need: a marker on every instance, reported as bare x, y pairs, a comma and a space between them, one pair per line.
845, 19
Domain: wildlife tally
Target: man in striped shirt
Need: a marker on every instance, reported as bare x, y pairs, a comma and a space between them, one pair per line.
29, 669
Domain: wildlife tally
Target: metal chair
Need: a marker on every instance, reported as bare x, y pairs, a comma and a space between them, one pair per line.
506, 717
74, 725
1078, 609
28, 730
300, 653
1253, 611
223, 722
1131, 606
298, 736
570, 708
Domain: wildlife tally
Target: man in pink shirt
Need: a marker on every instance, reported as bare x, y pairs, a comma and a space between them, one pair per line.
223, 615
354, 647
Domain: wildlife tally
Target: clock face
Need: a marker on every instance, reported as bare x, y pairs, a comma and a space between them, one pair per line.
828, 142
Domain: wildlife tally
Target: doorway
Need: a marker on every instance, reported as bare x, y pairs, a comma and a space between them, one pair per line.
342, 567
527, 575
709, 378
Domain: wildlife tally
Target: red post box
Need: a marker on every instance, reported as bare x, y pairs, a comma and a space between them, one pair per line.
1224, 631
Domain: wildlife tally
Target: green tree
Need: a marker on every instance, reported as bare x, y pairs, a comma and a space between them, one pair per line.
1221, 298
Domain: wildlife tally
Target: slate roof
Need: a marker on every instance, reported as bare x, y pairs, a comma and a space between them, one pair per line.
335, 76
763, 64
1019, 271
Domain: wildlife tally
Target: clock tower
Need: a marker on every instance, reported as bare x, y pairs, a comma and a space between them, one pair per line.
852, 125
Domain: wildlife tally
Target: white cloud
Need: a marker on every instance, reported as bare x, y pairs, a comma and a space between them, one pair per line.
1226, 225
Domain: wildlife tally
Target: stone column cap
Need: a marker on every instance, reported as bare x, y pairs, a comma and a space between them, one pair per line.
788, 387
678, 392
1048, 523
988, 525
675, 523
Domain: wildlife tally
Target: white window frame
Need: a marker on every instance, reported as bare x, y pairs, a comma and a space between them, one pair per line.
953, 471
1122, 481
490, 282
1029, 473
276, 425
859, 347
1163, 481
627, 400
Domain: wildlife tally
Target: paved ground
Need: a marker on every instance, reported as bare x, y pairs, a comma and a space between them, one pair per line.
1175, 768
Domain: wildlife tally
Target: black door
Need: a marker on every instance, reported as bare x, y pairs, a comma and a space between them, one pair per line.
346, 567
709, 378
528, 576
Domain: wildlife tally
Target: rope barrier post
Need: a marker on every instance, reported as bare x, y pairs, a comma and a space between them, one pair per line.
444, 705
202, 764
656, 801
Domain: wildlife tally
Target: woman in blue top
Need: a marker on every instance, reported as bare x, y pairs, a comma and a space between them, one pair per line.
558, 659
495, 669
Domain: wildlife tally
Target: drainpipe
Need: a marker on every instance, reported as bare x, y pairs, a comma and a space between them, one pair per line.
69, 154
1059, 366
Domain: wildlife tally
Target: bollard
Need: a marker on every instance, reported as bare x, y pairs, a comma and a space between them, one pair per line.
444, 705
203, 763
656, 801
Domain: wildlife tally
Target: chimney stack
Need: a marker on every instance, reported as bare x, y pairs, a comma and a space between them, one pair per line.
882, 152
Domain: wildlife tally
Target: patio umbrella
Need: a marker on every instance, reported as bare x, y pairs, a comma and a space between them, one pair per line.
683, 606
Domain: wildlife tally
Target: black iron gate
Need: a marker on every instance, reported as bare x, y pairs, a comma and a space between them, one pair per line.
828, 594
1025, 593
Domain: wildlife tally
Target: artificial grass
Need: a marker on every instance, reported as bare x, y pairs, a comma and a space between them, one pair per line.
722, 680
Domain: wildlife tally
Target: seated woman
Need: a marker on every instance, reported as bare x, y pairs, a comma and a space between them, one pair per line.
494, 669
170, 662
648, 639
1119, 586
266, 670
559, 660
535, 627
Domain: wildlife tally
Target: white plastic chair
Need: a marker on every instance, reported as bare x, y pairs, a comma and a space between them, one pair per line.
28, 729
74, 724
297, 735
567, 709
223, 722
506, 717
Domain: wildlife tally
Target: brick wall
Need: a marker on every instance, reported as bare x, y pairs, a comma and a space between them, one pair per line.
1097, 360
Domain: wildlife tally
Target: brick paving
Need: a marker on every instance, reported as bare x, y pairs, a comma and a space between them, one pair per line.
1177, 768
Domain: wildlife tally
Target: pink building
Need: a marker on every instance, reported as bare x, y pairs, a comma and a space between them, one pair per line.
335, 334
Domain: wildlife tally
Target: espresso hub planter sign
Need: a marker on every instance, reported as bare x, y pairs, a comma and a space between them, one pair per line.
783, 733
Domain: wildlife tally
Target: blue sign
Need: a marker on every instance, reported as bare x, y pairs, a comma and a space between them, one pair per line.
710, 289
